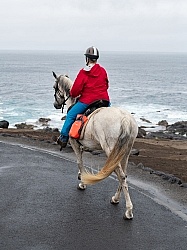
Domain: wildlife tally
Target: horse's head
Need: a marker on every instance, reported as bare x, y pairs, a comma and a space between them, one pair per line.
62, 90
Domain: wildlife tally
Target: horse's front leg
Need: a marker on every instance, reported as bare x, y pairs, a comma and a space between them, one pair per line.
80, 163
78, 151
81, 185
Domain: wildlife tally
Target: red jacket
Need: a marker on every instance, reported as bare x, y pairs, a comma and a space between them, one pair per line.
91, 85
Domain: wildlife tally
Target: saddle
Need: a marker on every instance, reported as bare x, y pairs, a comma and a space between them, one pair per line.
82, 119
95, 105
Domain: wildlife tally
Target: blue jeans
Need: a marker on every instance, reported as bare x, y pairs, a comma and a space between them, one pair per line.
78, 108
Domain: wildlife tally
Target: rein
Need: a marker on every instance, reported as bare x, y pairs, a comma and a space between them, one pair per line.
64, 103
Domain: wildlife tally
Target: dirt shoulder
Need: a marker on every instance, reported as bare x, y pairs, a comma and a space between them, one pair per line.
169, 156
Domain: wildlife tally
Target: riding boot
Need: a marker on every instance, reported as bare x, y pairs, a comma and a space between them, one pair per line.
62, 141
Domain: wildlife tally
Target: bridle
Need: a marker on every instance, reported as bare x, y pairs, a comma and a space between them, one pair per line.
59, 93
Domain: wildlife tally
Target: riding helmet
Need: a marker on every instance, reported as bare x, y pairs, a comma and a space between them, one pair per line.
92, 53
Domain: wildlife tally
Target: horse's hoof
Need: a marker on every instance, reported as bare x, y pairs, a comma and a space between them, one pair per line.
79, 176
112, 201
81, 186
128, 217
125, 218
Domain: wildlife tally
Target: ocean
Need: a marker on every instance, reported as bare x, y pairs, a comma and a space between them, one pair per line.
152, 86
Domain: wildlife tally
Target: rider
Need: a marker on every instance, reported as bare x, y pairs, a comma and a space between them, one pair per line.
91, 84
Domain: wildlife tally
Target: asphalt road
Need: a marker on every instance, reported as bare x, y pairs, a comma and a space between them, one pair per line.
41, 209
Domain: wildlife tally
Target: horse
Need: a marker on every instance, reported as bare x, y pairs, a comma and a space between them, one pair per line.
108, 128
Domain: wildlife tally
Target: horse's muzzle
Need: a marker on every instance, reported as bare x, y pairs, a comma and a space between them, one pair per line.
57, 106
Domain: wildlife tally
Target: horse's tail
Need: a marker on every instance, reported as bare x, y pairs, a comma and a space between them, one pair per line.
120, 150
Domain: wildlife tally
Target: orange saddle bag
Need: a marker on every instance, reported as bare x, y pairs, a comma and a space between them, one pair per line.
77, 126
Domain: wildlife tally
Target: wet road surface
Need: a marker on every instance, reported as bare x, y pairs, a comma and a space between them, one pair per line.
41, 209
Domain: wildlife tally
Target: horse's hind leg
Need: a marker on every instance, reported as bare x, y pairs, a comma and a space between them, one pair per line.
115, 199
128, 214
123, 186
129, 206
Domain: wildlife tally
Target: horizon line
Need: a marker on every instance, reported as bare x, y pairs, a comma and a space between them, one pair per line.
112, 51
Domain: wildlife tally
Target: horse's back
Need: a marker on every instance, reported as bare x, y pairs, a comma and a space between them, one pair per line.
113, 117
105, 125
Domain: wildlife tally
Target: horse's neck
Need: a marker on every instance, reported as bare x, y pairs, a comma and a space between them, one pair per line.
70, 100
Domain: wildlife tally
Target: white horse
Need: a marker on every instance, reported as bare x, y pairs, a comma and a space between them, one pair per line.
110, 129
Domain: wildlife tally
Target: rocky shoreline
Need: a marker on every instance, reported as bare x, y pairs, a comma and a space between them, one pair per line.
176, 131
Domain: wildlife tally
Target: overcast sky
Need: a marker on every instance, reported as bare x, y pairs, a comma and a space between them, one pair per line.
122, 25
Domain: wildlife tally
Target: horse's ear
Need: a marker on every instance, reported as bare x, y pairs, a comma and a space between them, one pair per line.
55, 76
